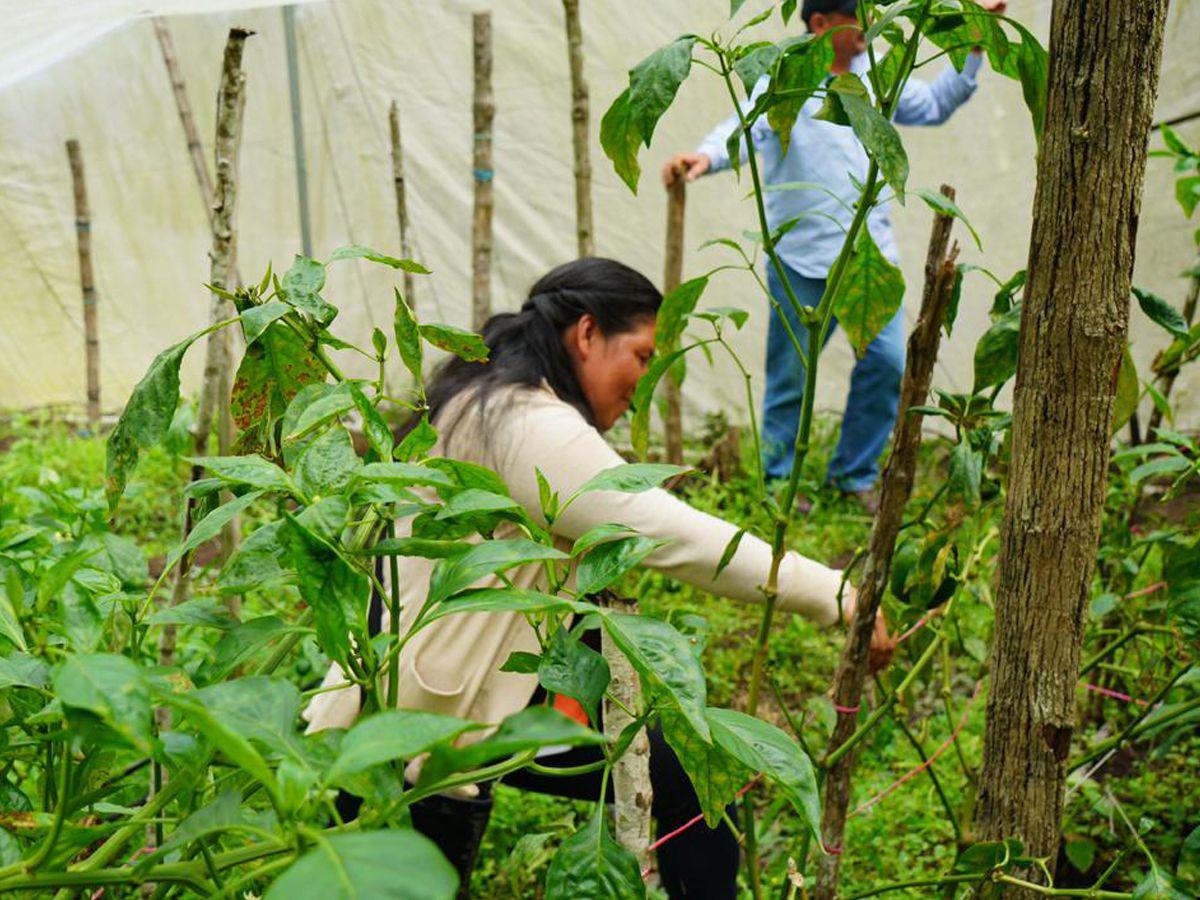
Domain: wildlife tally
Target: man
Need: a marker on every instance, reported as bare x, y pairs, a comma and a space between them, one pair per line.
822, 153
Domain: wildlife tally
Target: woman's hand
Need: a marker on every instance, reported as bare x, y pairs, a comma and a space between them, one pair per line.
883, 645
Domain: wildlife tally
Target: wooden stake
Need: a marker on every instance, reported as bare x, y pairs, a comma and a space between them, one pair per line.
401, 203
896, 489
672, 277
579, 131
481, 226
83, 236
186, 118
631, 773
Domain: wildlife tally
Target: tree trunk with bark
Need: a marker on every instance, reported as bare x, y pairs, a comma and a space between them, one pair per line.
579, 131
83, 235
672, 277
1104, 63
895, 489
481, 226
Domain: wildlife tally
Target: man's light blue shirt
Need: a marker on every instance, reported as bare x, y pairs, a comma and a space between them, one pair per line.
829, 155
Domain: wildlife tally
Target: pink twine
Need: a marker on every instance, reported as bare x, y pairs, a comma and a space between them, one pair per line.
671, 835
1116, 695
929, 762
921, 623
832, 850
1157, 586
848, 710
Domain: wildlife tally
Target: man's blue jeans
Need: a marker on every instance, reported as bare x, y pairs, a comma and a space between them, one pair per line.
871, 405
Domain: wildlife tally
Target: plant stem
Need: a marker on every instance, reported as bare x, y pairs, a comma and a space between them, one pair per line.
1104, 746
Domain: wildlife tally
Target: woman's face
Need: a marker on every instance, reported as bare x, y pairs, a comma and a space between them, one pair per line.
609, 366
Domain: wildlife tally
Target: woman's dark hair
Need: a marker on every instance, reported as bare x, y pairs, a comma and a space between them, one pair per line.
526, 347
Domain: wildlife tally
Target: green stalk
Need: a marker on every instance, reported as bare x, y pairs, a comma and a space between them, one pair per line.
393, 671
60, 811
1132, 728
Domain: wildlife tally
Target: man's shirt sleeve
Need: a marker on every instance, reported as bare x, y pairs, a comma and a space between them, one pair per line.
931, 103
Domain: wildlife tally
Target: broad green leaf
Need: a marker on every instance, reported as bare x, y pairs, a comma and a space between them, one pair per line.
238, 645
422, 547
469, 475
714, 773
462, 343
23, 670
221, 815
571, 668
730, 549
328, 464
521, 663
145, 420
256, 319
663, 659
325, 406
996, 352
676, 306
257, 708
490, 557
112, 689
81, 620
419, 441
876, 133
408, 337
1128, 392
358, 251
302, 285
255, 564
506, 600
1033, 69
202, 611
10, 624
1161, 312
631, 478
604, 564
476, 501
756, 62
870, 293
1081, 853
985, 856
335, 590
253, 470
798, 75
393, 734
631, 119
405, 474
942, 204
1187, 192
210, 526
272, 372
1163, 465
1160, 885
532, 727
375, 427
398, 864
1181, 572
590, 865
764, 748
601, 534
226, 740
966, 472
639, 428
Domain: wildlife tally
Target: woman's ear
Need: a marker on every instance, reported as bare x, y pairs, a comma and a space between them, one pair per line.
582, 336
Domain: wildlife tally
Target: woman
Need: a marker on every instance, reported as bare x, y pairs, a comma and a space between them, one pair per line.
561, 371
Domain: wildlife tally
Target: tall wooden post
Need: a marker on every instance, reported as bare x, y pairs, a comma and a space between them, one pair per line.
187, 118
1103, 78
83, 236
481, 226
896, 488
579, 131
401, 200
672, 277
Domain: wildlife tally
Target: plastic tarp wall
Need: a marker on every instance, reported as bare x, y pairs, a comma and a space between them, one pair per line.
93, 71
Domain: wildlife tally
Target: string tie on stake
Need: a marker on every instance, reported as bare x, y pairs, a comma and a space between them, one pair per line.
848, 710
671, 835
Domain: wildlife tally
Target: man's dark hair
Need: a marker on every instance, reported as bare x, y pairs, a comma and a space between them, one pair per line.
526, 347
811, 7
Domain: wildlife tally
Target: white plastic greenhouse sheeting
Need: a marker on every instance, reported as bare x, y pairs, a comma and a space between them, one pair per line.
92, 70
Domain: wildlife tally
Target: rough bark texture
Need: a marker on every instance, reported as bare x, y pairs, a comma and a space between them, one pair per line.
481, 225
631, 774
579, 131
83, 235
401, 201
896, 488
186, 118
1104, 63
1166, 379
672, 276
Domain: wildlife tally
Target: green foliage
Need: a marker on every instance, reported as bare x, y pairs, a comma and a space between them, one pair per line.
870, 293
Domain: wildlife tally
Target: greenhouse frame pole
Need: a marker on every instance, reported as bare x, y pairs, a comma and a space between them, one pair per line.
293, 68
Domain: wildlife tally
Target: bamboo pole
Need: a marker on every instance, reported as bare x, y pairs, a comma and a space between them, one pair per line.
401, 201
83, 236
481, 227
584, 233
896, 489
672, 277
186, 117
293, 69
631, 773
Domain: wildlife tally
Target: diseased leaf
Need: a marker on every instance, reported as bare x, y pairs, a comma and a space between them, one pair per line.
798, 75
462, 343
112, 689
876, 133
358, 251
714, 773
870, 293
301, 287
408, 337
375, 427
1128, 392
328, 464
272, 372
